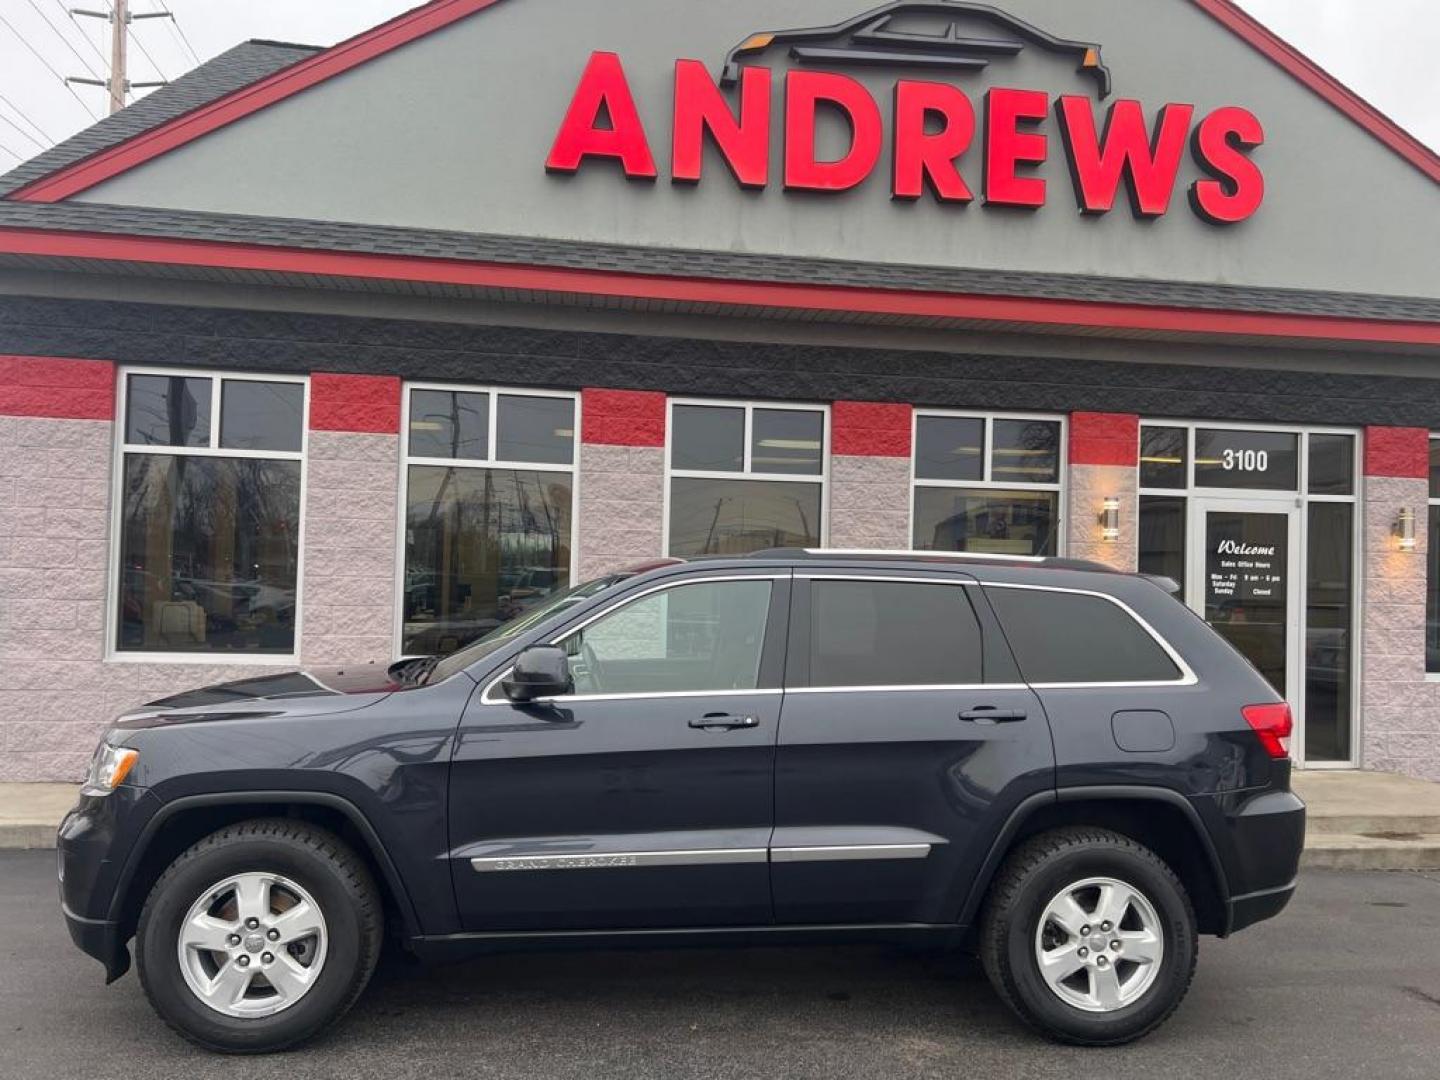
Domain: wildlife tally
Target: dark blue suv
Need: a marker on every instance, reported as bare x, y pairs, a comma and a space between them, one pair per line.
1050, 763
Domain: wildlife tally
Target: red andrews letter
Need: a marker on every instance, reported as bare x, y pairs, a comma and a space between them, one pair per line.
1219, 145
804, 91
602, 87
1098, 162
701, 107
1007, 147
922, 157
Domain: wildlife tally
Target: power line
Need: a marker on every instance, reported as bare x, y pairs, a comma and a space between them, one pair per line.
179, 30
63, 39
24, 116
21, 131
146, 52
83, 36
35, 53
12, 153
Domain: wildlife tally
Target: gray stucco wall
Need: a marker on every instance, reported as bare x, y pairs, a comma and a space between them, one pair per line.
452, 132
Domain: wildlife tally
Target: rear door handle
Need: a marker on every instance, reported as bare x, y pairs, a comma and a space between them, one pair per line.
724, 722
989, 714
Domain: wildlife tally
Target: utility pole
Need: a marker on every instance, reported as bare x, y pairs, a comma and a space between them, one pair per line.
120, 18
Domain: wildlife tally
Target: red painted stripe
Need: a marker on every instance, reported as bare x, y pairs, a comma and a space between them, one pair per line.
57, 388
870, 429
1403, 452
1324, 84
249, 99
1105, 439
622, 417
1065, 313
355, 403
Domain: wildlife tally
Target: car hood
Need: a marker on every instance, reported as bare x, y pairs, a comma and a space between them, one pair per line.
311, 692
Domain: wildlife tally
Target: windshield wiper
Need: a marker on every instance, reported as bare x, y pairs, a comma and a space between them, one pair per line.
414, 671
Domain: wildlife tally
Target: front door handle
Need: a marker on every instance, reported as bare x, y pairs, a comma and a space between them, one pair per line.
989, 714
724, 722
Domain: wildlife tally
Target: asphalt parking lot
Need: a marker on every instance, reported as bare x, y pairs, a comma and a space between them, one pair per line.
1345, 984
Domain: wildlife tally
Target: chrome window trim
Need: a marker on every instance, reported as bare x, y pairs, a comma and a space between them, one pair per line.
487, 699
1187, 675
943, 688
848, 852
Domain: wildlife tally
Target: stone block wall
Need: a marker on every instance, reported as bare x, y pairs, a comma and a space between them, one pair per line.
620, 512
1104, 462
1400, 706
870, 475
58, 691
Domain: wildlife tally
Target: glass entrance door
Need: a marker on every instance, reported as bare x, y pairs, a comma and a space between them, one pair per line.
1244, 556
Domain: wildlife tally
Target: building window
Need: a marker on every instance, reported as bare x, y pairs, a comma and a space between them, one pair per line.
987, 483
1432, 591
209, 483
745, 477
488, 510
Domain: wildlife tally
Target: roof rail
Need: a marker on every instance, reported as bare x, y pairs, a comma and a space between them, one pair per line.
913, 554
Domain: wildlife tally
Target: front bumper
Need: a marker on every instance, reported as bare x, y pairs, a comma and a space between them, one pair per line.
91, 845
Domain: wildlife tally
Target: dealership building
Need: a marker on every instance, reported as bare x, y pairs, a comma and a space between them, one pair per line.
316, 357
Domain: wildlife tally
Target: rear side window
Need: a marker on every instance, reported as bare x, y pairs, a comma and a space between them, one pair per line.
892, 633
1061, 637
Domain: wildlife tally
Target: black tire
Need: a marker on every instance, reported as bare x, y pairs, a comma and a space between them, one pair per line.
1039, 870
313, 858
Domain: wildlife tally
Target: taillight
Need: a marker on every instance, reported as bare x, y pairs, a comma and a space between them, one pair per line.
1273, 724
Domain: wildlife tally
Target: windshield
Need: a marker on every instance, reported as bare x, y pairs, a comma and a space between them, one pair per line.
476, 650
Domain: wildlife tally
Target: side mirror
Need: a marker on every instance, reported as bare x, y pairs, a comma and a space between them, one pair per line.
540, 671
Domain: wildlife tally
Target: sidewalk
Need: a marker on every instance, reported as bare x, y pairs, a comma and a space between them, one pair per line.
1357, 820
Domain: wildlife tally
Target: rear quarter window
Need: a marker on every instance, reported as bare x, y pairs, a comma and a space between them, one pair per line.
1066, 637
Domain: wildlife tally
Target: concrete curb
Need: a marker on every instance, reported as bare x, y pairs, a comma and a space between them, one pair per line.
27, 837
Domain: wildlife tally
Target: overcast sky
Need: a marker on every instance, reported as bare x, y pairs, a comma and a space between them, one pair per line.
1386, 50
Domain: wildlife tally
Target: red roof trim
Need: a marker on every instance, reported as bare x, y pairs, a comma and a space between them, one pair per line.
562, 280
1281, 52
249, 99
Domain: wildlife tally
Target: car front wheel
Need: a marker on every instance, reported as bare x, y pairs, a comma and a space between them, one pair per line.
1089, 936
259, 936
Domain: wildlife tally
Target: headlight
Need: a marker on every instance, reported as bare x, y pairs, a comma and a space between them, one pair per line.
109, 766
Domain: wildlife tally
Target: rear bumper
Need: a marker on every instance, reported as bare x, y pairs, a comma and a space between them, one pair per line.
1260, 844
1255, 907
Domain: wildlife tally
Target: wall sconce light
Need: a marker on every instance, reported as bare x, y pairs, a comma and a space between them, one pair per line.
1404, 530
1110, 521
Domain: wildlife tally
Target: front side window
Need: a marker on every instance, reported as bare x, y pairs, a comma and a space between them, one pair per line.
745, 477
892, 633
1068, 637
489, 493
987, 484
707, 636
210, 478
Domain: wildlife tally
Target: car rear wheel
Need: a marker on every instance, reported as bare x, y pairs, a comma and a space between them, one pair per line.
1089, 936
259, 936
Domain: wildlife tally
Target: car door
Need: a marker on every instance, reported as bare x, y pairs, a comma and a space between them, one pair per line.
906, 740
644, 798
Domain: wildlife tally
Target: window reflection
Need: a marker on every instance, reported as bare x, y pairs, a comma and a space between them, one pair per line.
1162, 537
1025, 451
167, 410
209, 550
1329, 624
734, 517
994, 522
482, 547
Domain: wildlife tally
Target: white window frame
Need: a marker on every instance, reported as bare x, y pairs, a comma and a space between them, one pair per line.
745, 472
219, 657
488, 462
1299, 498
1431, 501
987, 483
